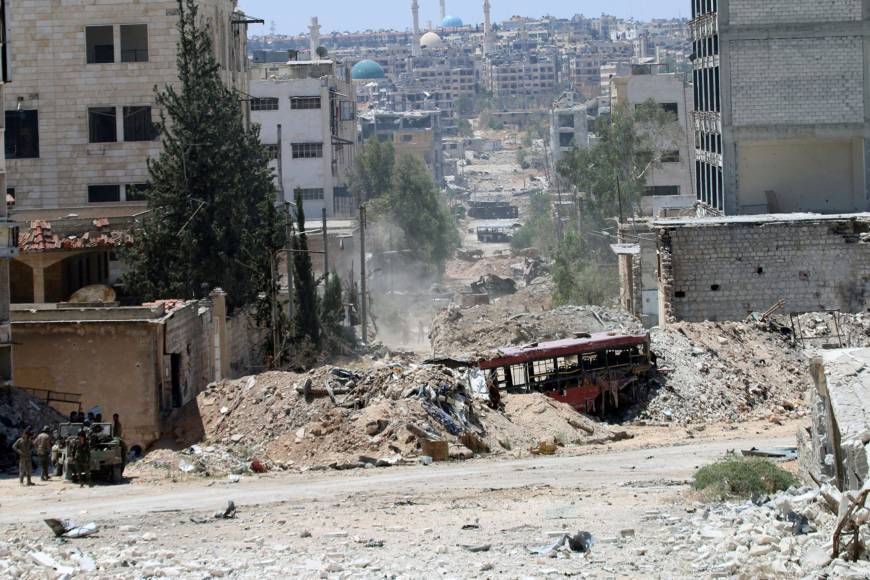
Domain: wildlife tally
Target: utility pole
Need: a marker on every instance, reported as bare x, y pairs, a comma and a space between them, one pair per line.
290, 255
364, 309
325, 251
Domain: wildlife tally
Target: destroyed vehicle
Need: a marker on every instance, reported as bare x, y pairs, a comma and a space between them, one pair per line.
591, 372
108, 453
492, 210
495, 234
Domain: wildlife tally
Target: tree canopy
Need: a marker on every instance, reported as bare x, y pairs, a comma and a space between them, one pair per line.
212, 219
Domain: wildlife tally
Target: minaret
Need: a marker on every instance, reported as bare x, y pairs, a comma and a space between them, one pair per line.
487, 29
443, 10
314, 38
415, 10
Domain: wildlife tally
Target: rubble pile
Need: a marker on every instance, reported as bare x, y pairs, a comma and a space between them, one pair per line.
829, 330
19, 410
522, 318
713, 372
790, 535
386, 415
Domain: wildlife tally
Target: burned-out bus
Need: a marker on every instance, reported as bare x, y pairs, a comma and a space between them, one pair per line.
591, 372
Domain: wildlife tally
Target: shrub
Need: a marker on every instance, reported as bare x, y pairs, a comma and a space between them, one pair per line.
742, 478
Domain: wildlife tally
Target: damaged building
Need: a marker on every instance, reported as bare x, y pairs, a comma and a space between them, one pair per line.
836, 448
143, 362
724, 268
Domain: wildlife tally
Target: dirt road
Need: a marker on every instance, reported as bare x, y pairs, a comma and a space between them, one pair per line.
414, 521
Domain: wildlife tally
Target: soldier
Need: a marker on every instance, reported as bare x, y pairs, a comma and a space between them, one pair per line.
82, 457
24, 447
116, 427
42, 443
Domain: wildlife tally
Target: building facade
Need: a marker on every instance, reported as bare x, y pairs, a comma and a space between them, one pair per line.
783, 98
307, 114
569, 126
80, 117
669, 181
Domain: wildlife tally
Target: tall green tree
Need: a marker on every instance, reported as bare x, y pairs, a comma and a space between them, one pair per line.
212, 218
614, 172
416, 207
373, 170
306, 314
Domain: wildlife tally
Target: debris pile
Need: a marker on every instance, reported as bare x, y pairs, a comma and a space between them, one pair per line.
713, 372
19, 410
522, 318
789, 536
387, 415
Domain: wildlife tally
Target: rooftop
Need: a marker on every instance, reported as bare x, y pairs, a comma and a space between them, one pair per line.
785, 218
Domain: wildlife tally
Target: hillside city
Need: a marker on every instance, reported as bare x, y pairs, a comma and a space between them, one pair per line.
479, 297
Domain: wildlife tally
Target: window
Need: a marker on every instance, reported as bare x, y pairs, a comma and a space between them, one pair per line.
671, 157
104, 193
100, 42
102, 124
134, 43
672, 108
299, 103
138, 125
307, 150
407, 138
10, 193
655, 190
135, 191
311, 194
22, 134
566, 121
264, 104
274, 151
566, 139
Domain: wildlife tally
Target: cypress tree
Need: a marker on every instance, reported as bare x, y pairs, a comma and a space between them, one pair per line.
212, 218
306, 323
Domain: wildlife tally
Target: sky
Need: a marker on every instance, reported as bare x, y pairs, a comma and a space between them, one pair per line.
292, 17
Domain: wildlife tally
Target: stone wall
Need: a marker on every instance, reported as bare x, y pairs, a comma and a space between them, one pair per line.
247, 344
52, 76
723, 269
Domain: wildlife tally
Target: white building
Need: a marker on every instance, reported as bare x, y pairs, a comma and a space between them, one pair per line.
307, 114
669, 182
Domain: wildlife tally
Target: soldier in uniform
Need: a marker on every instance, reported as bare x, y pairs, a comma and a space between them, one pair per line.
82, 457
42, 443
24, 448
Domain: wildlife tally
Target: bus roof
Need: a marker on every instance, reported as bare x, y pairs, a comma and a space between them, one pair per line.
560, 348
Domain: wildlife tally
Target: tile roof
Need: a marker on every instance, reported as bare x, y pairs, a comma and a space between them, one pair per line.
40, 237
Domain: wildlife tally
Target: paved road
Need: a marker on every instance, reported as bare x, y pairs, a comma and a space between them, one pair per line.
584, 471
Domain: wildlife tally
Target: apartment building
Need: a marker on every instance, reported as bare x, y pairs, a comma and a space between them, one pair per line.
80, 116
418, 133
782, 99
307, 114
569, 125
519, 75
669, 182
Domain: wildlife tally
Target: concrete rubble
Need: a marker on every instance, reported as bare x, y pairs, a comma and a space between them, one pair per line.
335, 418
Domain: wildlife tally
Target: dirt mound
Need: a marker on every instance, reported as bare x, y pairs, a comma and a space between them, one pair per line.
19, 410
723, 372
525, 317
383, 416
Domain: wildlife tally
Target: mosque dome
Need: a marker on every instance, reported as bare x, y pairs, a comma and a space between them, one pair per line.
367, 69
451, 22
431, 41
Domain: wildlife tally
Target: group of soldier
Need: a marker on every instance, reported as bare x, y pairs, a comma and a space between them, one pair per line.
43, 445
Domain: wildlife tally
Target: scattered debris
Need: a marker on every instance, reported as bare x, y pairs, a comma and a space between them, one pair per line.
69, 529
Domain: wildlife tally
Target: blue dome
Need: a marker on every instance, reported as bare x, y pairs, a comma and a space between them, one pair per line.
366, 69
451, 22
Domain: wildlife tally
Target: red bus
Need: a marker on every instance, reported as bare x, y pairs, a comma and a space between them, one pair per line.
589, 372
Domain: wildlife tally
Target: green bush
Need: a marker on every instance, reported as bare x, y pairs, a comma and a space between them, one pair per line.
742, 478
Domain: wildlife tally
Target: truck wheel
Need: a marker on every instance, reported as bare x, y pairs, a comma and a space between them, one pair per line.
117, 471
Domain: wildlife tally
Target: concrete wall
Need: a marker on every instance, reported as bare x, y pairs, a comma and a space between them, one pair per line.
797, 170
793, 76
723, 269
112, 364
837, 449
